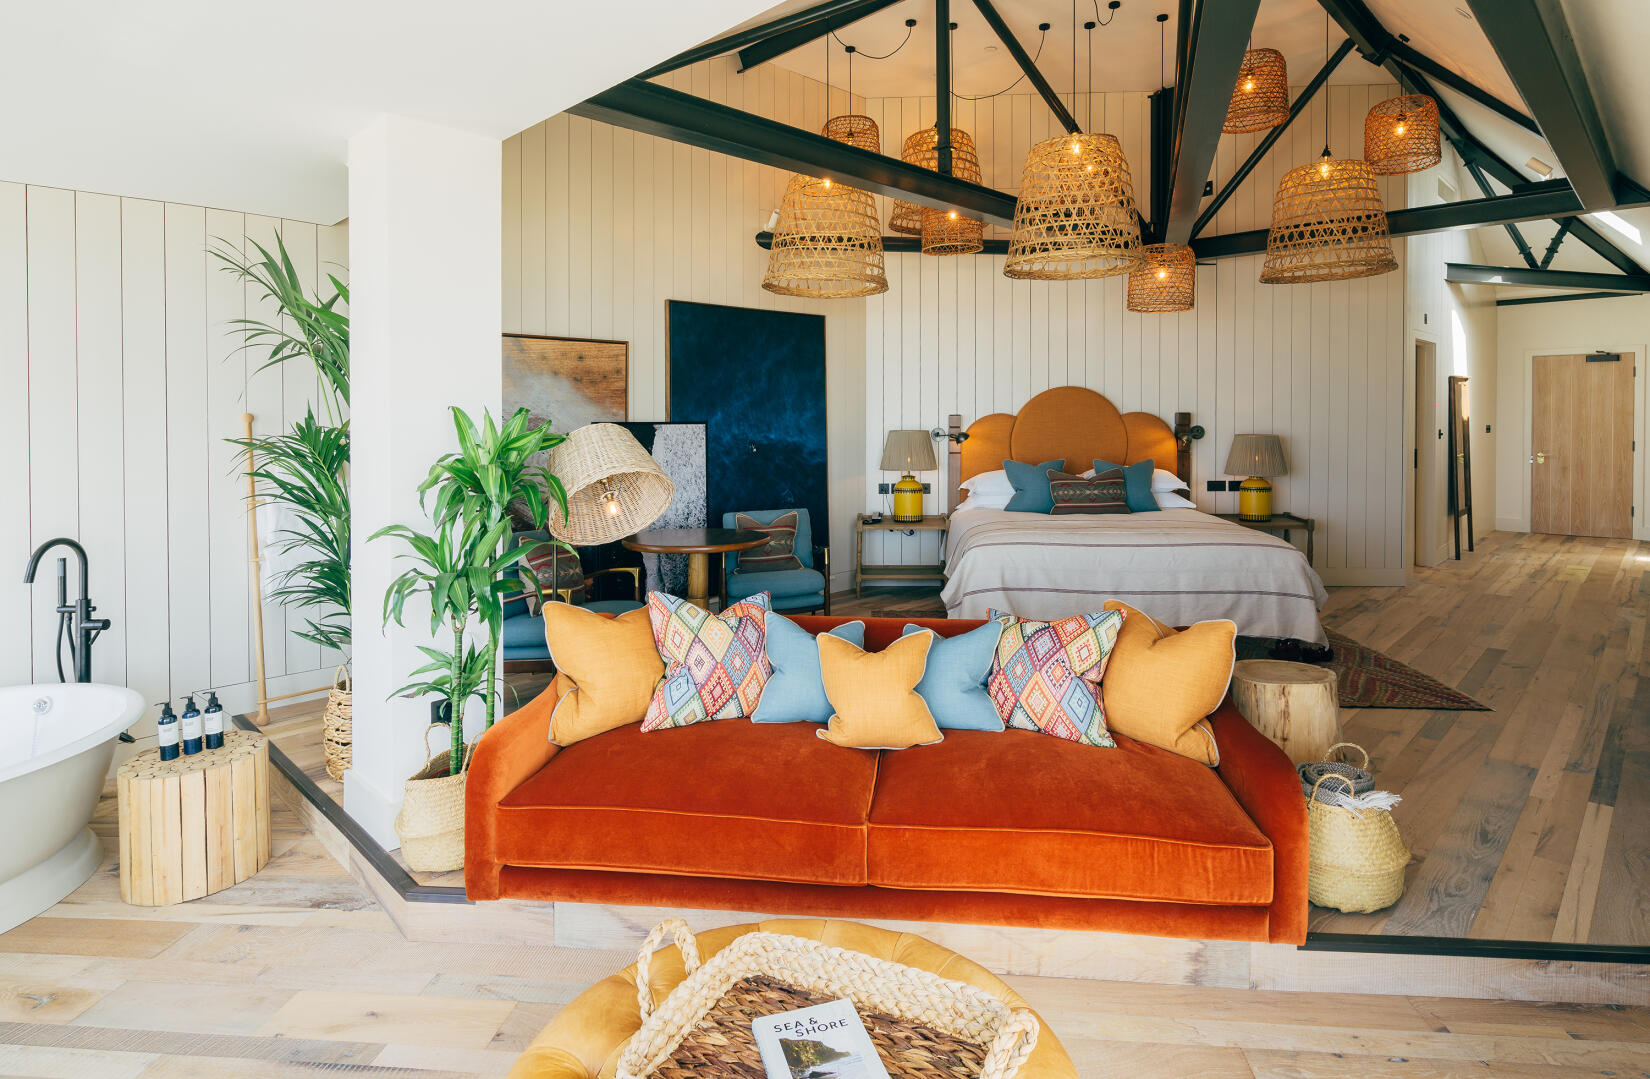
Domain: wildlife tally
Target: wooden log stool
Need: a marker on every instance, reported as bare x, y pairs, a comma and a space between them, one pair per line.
1294, 704
195, 825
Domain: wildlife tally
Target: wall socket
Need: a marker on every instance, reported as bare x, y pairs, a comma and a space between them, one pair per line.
1225, 485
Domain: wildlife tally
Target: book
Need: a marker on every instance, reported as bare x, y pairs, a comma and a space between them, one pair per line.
826, 1041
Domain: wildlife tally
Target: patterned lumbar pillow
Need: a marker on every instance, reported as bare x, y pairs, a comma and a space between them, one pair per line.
557, 572
1046, 675
1137, 484
715, 665
1104, 492
779, 553
954, 683
795, 692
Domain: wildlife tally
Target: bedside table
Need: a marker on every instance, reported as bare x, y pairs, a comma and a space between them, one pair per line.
928, 572
1281, 524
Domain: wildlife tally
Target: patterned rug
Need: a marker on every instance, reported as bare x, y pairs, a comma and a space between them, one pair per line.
1370, 679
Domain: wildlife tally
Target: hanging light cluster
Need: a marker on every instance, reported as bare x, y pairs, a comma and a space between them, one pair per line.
943, 232
1401, 135
1260, 100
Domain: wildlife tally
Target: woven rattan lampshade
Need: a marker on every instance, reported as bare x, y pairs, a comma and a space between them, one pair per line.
1166, 281
855, 130
1075, 217
1401, 135
1261, 97
614, 486
827, 243
943, 232
1328, 224
906, 217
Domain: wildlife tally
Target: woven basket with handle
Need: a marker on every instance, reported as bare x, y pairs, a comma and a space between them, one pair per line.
924, 1026
1357, 856
431, 821
337, 724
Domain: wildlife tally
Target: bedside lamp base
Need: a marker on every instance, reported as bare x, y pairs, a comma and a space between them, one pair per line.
908, 500
1255, 500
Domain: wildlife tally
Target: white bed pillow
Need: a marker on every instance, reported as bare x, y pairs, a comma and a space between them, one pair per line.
1170, 500
1163, 480
989, 500
988, 484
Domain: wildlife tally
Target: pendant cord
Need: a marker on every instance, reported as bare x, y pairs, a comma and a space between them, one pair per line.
885, 55
1326, 87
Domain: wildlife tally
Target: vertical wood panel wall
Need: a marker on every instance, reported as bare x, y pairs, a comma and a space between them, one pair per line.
121, 383
602, 226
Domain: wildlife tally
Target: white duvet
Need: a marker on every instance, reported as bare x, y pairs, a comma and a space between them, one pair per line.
1179, 566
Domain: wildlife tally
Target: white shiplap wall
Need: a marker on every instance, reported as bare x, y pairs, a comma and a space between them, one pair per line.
602, 226
1321, 365
121, 384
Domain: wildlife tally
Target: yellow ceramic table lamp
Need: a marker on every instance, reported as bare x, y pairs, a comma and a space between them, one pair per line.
1259, 457
908, 452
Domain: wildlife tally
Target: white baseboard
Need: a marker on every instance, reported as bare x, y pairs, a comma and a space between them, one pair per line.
1511, 524
372, 809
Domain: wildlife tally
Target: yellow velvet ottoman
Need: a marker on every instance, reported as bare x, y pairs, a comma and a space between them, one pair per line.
584, 1041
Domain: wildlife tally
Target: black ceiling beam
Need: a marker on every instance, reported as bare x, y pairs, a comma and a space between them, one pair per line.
819, 23
1408, 55
1558, 239
1534, 202
1021, 57
1469, 274
942, 86
902, 244
670, 114
762, 32
1272, 136
1214, 55
1518, 301
1535, 45
1516, 236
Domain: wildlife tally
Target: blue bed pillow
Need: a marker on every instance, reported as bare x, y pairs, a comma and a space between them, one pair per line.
1137, 483
1031, 485
795, 692
953, 686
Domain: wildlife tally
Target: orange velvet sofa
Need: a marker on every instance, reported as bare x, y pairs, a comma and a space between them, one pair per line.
997, 828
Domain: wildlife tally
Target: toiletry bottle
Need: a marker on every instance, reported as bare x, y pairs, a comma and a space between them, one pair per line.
166, 732
212, 721
189, 727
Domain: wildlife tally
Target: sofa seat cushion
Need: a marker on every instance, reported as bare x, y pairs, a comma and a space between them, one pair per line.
524, 631
722, 799
779, 583
1017, 811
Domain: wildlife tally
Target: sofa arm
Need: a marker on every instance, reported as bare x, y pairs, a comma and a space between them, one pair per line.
1265, 783
504, 758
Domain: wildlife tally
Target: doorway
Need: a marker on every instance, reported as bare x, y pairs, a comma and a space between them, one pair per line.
1581, 444
1427, 520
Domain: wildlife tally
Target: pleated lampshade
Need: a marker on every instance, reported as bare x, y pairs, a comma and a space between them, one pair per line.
1401, 135
1075, 217
827, 243
1166, 281
614, 486
1261, 97
1328, 224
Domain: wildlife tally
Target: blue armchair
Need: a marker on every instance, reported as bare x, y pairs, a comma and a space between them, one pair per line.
805, 589
523, 638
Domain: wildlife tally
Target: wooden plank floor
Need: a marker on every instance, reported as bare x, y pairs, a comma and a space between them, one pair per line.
1529, 822
297, 973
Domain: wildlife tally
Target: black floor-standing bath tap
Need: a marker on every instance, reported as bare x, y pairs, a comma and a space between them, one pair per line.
76, 618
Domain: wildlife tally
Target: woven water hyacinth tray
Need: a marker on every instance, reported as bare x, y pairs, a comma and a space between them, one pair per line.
923, 1026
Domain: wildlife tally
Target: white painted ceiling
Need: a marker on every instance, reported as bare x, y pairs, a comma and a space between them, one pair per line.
249, 107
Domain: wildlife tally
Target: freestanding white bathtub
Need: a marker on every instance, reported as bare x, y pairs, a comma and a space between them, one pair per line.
56, 743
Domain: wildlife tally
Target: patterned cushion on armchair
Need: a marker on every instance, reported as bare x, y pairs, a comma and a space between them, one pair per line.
803, 587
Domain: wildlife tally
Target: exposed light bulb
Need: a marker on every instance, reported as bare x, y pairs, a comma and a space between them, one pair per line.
1248, 85
1399, 130
1075, 148
612, 505
952, 215
827, 181
1323, 169
1162, 273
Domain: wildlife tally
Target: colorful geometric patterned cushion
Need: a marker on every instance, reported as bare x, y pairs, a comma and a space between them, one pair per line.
557, 570
779, 553
715, 665
1137, 483
1046, 675
1105, 492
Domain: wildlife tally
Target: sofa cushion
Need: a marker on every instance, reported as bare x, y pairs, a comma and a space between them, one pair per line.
707, 800
611, 665
782, 584
1019, 812
873, 695
1161, 683
715, 664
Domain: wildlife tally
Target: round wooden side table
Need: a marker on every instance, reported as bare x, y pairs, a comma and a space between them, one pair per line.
1294, 704
698, 544
195, 825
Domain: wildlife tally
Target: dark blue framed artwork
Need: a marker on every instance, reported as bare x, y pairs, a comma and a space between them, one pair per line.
757, 380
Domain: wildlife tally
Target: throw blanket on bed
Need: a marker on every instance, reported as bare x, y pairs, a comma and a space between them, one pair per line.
1179, 566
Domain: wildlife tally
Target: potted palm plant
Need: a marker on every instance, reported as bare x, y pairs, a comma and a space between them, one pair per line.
464, 566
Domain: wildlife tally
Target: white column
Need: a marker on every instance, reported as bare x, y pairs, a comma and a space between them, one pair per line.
425, 298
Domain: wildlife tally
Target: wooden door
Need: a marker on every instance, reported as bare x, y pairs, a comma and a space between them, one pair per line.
1581, 446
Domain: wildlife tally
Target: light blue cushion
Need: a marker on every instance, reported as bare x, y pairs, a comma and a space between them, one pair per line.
783, 583
795, 692
523, 631
953, 686
1030, 482
1137, 483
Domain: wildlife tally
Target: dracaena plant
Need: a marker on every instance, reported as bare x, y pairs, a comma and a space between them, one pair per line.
465, 565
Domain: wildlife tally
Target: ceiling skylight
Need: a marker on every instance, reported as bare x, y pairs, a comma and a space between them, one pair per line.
1605, 217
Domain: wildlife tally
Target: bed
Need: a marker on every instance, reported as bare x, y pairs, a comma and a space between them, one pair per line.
1178, 565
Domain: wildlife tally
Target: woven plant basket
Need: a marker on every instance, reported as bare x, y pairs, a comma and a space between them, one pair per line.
1075, 218
337, 727
1363, 781
431, 821
1357, 857
924, 1026
1328, 224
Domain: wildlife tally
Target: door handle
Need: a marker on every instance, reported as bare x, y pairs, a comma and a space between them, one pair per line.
1540, 458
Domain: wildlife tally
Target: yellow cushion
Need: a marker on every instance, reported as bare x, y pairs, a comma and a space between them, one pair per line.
611, 664
1162, 683
874, 696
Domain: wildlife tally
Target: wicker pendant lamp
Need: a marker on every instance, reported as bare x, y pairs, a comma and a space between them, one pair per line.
855, 130
614, 486
1401, 135
1328, 224
1166, 281
948, 232
1260, 99
906, 217
1075, 217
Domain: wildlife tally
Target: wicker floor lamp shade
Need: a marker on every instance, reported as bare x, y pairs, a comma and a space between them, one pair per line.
1328, 224
827, 243
1401, 135
1260, 99
1075, 217
614, 486
1166, 281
